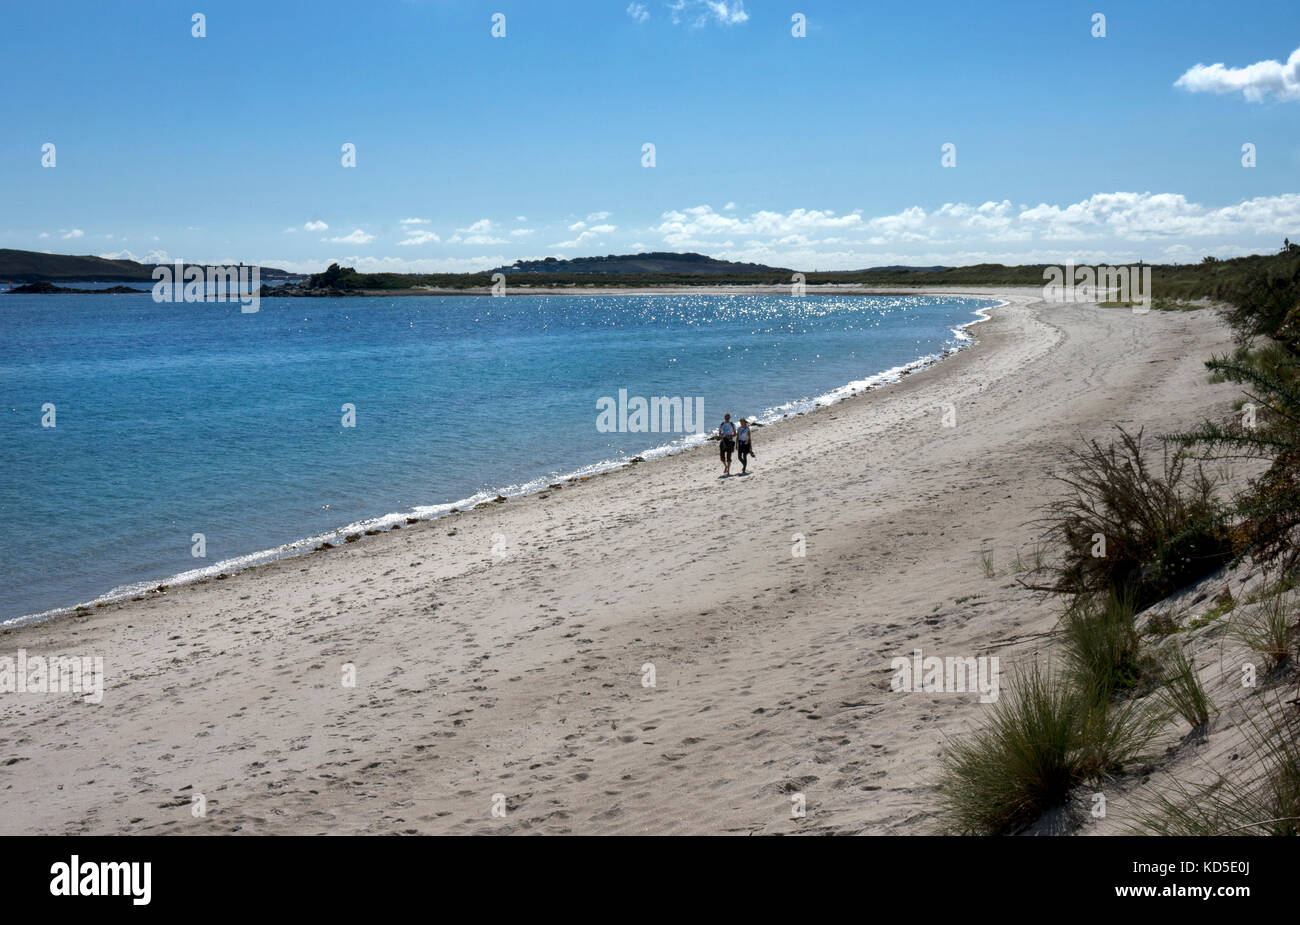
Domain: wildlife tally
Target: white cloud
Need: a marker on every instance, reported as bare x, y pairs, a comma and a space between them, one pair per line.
68, 235
43, 234
586, 234
481, 233
689, 226
1113, 226
393, 264
1121, 215
309, 226
638, 12
1146, 216
483, 240
728, 13
356, 237
414, 221
698, 13
154, 256
1256, 82
419, 237
578, 241
598, 216
520, 232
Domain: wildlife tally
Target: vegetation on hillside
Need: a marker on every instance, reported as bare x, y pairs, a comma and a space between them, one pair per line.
32, 267
645, 264
1226, 280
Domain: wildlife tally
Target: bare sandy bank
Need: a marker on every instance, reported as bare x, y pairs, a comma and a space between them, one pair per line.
504, 651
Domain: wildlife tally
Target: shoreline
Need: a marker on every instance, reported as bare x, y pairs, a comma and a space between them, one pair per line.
525, 674
388, 521
720, 290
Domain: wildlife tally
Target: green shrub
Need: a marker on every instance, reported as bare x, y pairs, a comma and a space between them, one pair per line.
1161, 530
1270, 509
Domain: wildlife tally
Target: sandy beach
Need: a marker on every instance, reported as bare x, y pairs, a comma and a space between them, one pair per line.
505, 650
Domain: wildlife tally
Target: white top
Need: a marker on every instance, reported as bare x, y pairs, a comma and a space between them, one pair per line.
743, 434
727, 429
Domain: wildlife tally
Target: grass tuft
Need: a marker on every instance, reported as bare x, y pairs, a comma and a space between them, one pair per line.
1268, 804
1042, 739
1182, 692
1272, 631
1102, 647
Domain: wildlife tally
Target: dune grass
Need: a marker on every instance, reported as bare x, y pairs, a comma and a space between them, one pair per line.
1272, 631
1181, 690
1261, 798
1042, 740
1103, 651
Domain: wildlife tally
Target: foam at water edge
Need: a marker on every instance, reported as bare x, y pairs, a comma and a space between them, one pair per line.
430, 512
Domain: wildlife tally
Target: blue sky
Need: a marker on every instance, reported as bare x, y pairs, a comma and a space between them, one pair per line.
816, 153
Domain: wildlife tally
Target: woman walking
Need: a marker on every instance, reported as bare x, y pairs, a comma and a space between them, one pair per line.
744, 447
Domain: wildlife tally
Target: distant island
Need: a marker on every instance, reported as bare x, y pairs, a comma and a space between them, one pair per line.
34, 266
44, 288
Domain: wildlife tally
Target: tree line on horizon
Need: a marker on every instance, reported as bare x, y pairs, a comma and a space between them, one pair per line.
1213, 278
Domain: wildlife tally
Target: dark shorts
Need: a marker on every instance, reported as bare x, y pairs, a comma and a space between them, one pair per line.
725, 446
743, 449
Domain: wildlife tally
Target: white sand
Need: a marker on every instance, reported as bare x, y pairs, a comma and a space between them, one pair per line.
522, 675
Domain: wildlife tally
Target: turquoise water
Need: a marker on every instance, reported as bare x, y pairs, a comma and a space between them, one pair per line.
179, 419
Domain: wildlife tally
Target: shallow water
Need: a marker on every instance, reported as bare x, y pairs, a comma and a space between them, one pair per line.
173, 420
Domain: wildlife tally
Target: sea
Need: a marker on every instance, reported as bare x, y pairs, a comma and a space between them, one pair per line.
146, 443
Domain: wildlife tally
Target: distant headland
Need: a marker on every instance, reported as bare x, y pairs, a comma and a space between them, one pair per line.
35, 266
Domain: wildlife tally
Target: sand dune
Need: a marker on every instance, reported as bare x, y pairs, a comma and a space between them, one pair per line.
522, 674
